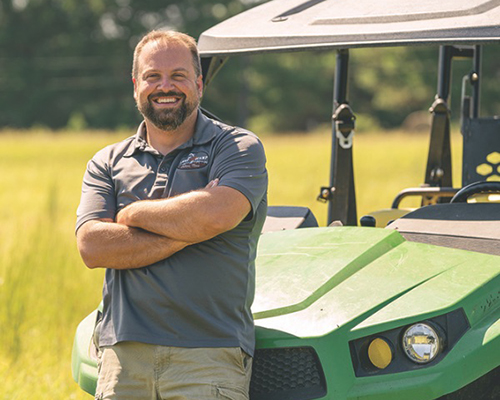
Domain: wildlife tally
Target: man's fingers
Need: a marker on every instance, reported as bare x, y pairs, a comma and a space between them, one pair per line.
212, 184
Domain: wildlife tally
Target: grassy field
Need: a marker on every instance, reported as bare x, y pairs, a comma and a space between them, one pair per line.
44, 288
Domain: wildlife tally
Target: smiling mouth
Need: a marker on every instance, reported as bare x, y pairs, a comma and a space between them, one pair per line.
166, 98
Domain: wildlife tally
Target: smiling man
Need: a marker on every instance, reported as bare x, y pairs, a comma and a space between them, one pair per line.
174, 214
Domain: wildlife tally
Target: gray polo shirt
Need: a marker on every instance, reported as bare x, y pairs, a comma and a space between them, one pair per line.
200, 296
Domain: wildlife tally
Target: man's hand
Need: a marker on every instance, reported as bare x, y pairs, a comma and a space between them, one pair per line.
190, 217
126, 215
212, 184
105, 244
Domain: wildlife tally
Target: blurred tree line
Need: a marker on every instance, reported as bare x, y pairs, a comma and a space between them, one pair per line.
66, 63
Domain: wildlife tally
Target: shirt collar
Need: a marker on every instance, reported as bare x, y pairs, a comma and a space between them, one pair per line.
204, 132
139, 142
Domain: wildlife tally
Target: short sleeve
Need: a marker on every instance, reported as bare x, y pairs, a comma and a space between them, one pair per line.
98, 199
240, 163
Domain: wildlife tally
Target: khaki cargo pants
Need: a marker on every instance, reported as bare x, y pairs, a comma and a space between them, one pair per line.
131, 370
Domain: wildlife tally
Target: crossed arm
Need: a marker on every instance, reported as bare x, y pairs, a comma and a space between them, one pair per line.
151, 230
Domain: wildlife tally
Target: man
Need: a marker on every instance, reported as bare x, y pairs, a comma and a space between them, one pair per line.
174, 214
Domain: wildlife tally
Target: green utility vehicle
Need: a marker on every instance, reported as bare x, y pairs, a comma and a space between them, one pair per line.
407, 305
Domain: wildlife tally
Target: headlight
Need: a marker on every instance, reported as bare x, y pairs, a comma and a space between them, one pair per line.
417, 345
422, 342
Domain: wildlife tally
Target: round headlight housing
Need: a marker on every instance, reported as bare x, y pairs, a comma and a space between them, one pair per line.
423, 342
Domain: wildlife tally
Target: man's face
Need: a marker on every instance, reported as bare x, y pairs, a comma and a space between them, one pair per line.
166, 89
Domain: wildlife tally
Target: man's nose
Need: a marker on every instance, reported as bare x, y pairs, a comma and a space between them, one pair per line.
165, 84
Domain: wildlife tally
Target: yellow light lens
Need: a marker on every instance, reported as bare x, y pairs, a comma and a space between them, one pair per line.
380, 353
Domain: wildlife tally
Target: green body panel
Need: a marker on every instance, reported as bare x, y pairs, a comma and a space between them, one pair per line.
83, 365
325, 287
371, 277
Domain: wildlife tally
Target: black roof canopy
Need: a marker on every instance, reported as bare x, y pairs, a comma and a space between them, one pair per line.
288, 25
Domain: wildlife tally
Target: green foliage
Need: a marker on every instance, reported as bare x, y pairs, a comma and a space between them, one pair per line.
65, 56
285, 92
391, 83
62, 58
294, 92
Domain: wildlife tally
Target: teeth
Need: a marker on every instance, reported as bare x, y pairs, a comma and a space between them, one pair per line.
164, 100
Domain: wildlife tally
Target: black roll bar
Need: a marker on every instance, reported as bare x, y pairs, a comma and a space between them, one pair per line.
340, 194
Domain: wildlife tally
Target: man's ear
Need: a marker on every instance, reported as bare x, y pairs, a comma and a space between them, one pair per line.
199, 84
135, 87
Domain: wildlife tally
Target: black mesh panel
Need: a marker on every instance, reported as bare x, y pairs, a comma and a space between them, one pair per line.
287, 373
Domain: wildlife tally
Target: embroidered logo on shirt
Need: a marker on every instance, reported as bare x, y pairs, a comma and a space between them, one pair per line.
194, 161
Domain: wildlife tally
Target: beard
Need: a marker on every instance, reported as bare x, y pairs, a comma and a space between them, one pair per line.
167, 119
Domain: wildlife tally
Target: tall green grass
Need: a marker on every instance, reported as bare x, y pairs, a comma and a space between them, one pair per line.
44, 288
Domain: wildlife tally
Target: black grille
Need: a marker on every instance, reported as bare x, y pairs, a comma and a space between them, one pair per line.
287, 373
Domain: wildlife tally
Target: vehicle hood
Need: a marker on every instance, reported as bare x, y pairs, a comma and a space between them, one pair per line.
312, 281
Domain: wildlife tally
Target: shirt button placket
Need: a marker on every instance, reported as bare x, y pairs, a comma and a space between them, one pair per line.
162, 168
161, 180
